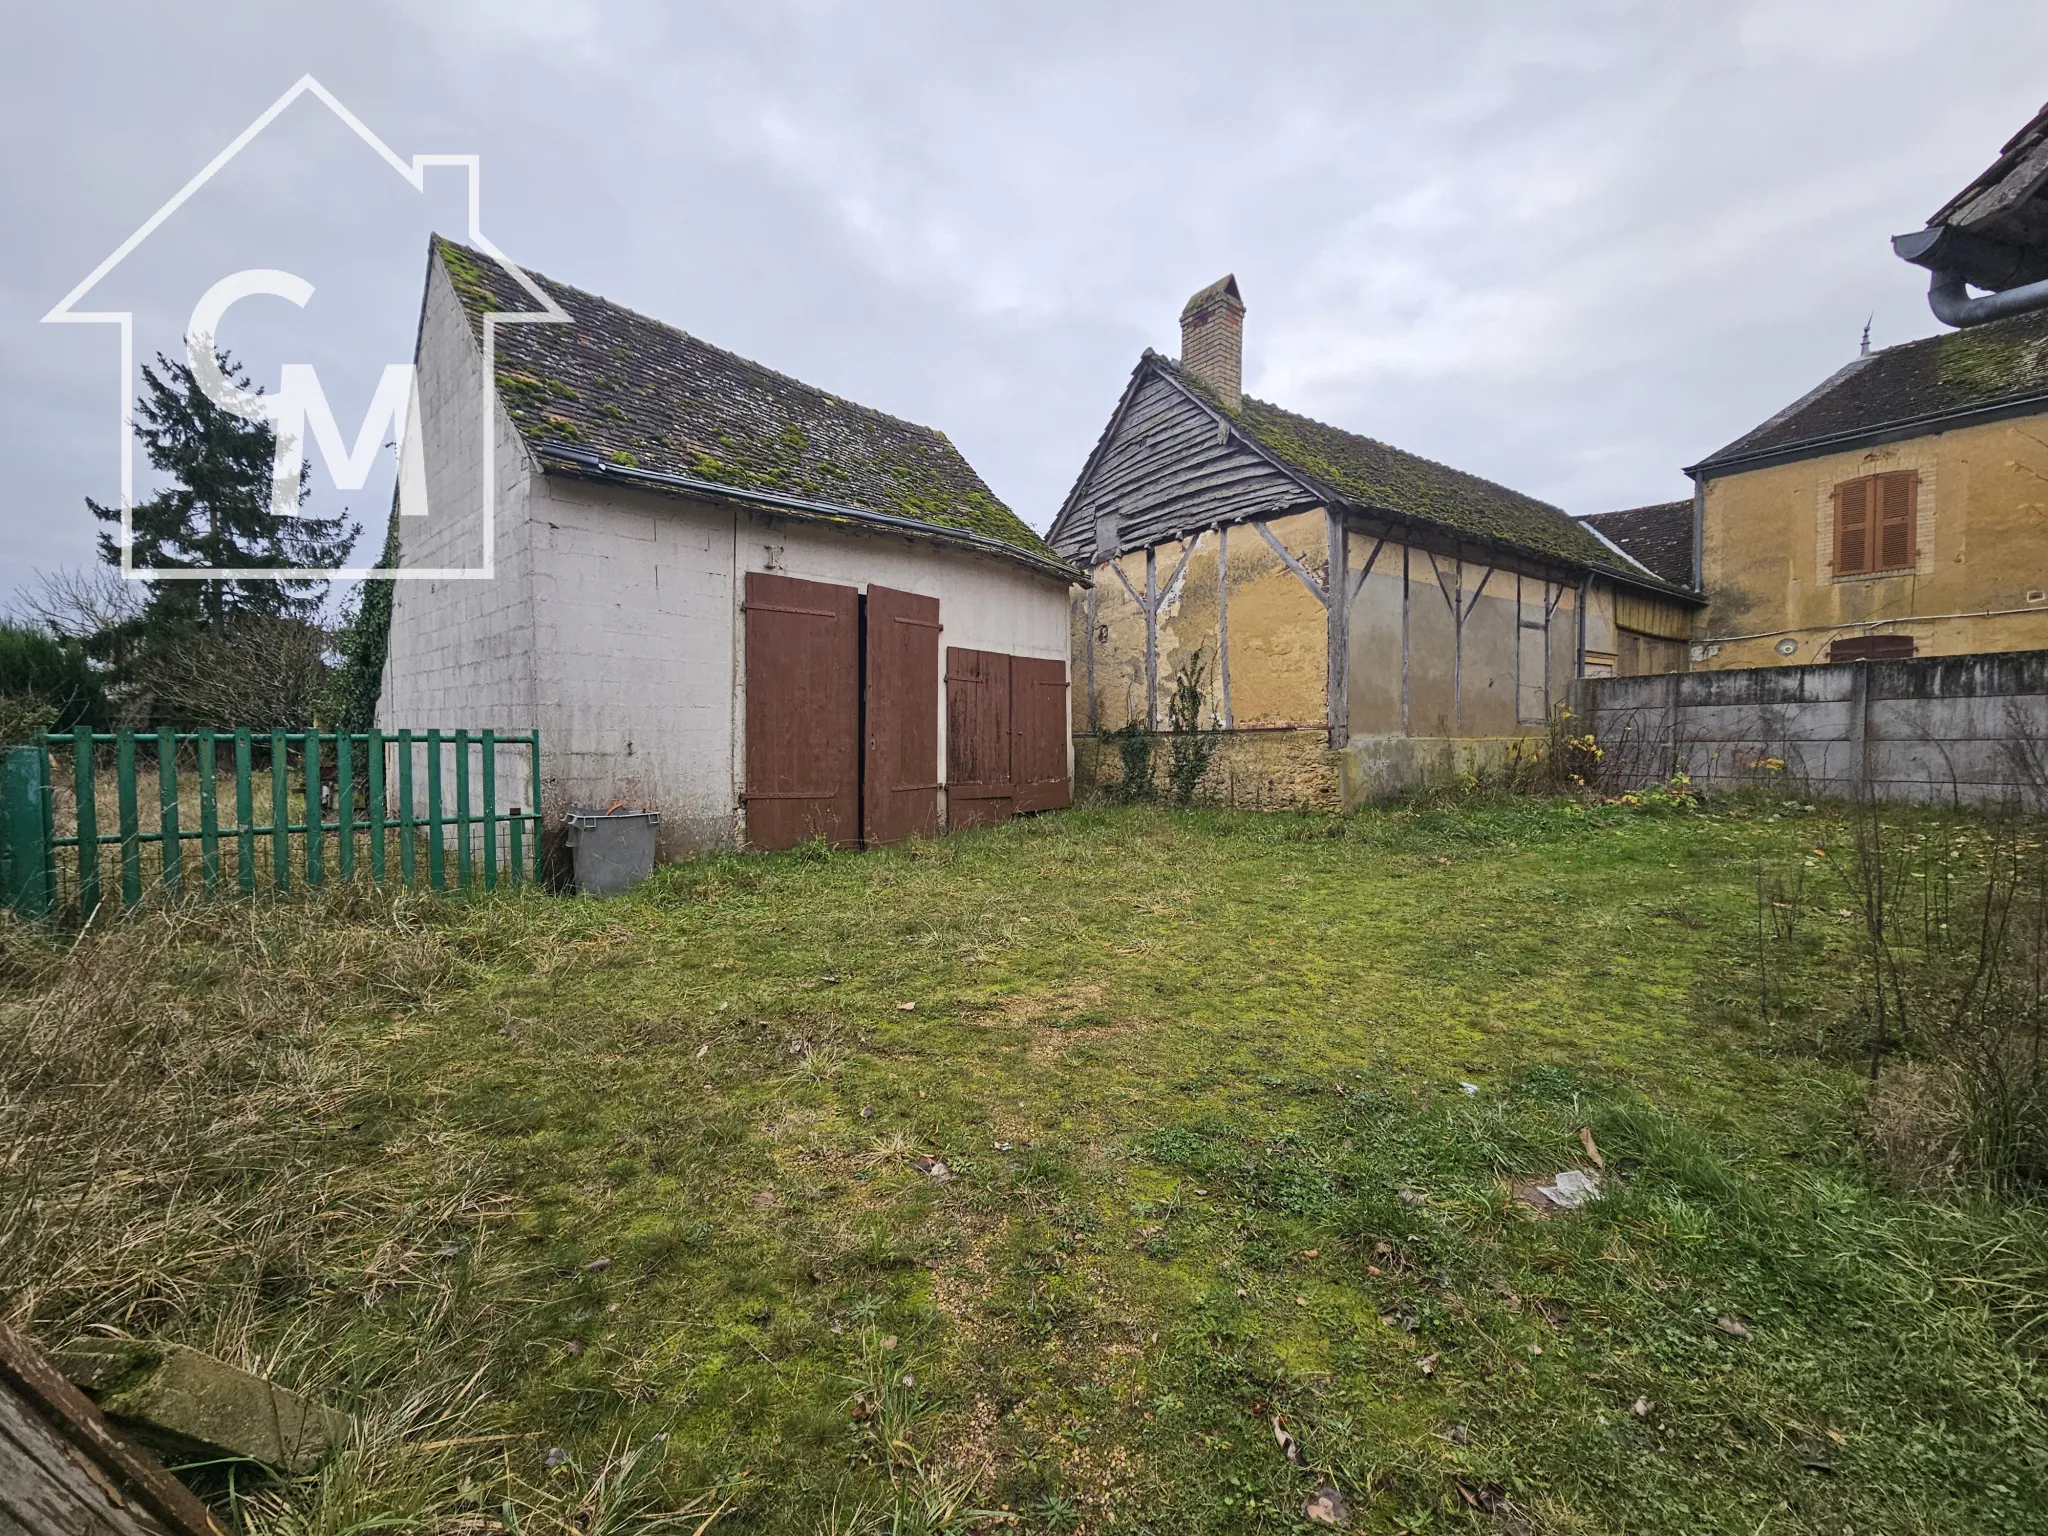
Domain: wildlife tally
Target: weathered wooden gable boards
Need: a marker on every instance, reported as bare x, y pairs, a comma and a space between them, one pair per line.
1168, 467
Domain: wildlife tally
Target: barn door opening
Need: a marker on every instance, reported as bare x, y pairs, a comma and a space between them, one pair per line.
1038, 722
979, 792
900, 777
803, 712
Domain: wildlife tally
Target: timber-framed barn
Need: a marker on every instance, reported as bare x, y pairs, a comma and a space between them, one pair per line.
1357, 618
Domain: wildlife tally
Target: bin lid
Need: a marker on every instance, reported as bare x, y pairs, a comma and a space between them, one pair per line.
588, 818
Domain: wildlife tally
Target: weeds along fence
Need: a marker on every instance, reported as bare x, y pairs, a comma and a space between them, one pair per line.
83, 816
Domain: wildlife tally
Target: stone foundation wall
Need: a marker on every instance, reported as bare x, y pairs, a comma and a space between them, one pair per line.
1292, 770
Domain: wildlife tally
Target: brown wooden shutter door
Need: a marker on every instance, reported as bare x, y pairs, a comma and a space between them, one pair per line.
1038, 713
1895, 498
978, 738
900, 779
803, 712
1852, 527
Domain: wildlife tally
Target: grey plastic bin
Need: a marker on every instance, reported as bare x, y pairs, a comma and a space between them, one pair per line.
612, 851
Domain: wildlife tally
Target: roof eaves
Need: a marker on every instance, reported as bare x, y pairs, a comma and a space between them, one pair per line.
581, 464
1881, 432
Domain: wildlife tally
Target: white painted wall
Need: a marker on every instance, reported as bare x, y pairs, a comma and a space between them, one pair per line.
641, 642
461, 654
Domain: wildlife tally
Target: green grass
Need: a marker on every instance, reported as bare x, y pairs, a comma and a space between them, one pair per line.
540, 1173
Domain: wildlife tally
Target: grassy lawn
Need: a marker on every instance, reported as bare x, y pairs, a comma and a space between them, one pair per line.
1042, 1170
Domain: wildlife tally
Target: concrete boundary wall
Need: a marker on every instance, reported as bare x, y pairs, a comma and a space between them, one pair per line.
1957, 729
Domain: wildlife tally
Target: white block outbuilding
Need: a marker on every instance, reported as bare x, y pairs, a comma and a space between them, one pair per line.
718, 593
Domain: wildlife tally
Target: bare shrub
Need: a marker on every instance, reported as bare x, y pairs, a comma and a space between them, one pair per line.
1953, 952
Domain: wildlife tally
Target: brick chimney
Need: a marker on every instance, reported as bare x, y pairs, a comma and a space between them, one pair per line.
1212, 340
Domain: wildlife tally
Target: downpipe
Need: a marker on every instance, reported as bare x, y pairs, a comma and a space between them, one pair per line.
1949, 297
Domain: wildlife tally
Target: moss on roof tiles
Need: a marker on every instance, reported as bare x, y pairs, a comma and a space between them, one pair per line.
1372, 476
1978, 368
642, 393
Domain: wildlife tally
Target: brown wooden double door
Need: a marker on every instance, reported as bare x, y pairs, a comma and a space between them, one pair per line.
1006, 737
842, 720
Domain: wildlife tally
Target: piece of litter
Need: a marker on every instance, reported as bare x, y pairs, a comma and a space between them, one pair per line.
1592, 1151
1457, 1434
1641, 1407
597, 1266
703, 1050
1289, 1446
865, 1111
1240, 1293
1733, 1327
1411, 1197
932, 1168
1301, 1301
1535, 1349
1308, 1253
555, 1457
1201, 1191
1327, 1507
889, 1342
447, 1250
572, 1348
1468, 1089
1571, 1189
1427, 1364
906, 1007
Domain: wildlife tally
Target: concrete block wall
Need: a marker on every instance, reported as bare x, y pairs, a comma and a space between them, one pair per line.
1954, 729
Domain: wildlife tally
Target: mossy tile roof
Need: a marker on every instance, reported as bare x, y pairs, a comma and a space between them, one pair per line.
643, 395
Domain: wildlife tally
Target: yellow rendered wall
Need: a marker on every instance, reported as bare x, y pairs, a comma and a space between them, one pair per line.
1278, 634
1982, 546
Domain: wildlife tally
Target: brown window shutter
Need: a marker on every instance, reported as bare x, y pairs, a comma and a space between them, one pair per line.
1852, 527
1896, 495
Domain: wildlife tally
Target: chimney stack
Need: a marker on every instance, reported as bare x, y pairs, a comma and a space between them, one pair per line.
1212, 341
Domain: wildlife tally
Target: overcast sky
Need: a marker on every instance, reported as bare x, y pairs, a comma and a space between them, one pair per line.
1569, 247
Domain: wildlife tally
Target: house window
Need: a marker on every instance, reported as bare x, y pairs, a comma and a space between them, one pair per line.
1872, 648
1875, 526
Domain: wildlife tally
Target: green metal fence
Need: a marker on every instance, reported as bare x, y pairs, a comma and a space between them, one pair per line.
77, 810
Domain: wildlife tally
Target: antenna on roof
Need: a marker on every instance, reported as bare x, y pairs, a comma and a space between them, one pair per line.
1866, 335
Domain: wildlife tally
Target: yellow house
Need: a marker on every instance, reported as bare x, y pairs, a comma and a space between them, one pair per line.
1901, 509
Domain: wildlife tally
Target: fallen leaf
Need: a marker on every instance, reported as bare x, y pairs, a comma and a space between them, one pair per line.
1733, 1327
597, 1266
572, 1349
1301, 1301
1457, 1434
932, 1168
889, 1342
1836, 1435
1641, 1407
1427, 1365
1308, 1253
1289, 1446
906, 1007
1592, 1151
1327, 1507
703, 1050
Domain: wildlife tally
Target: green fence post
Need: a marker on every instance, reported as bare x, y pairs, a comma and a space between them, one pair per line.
245, 811
436, 861
280, 816
407, 822
534, 759
169, 845
345, 805
462, 816
88, 823
490, 782
373, 760
209, 813
316, 812
131, 845
26, 872
515, 825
